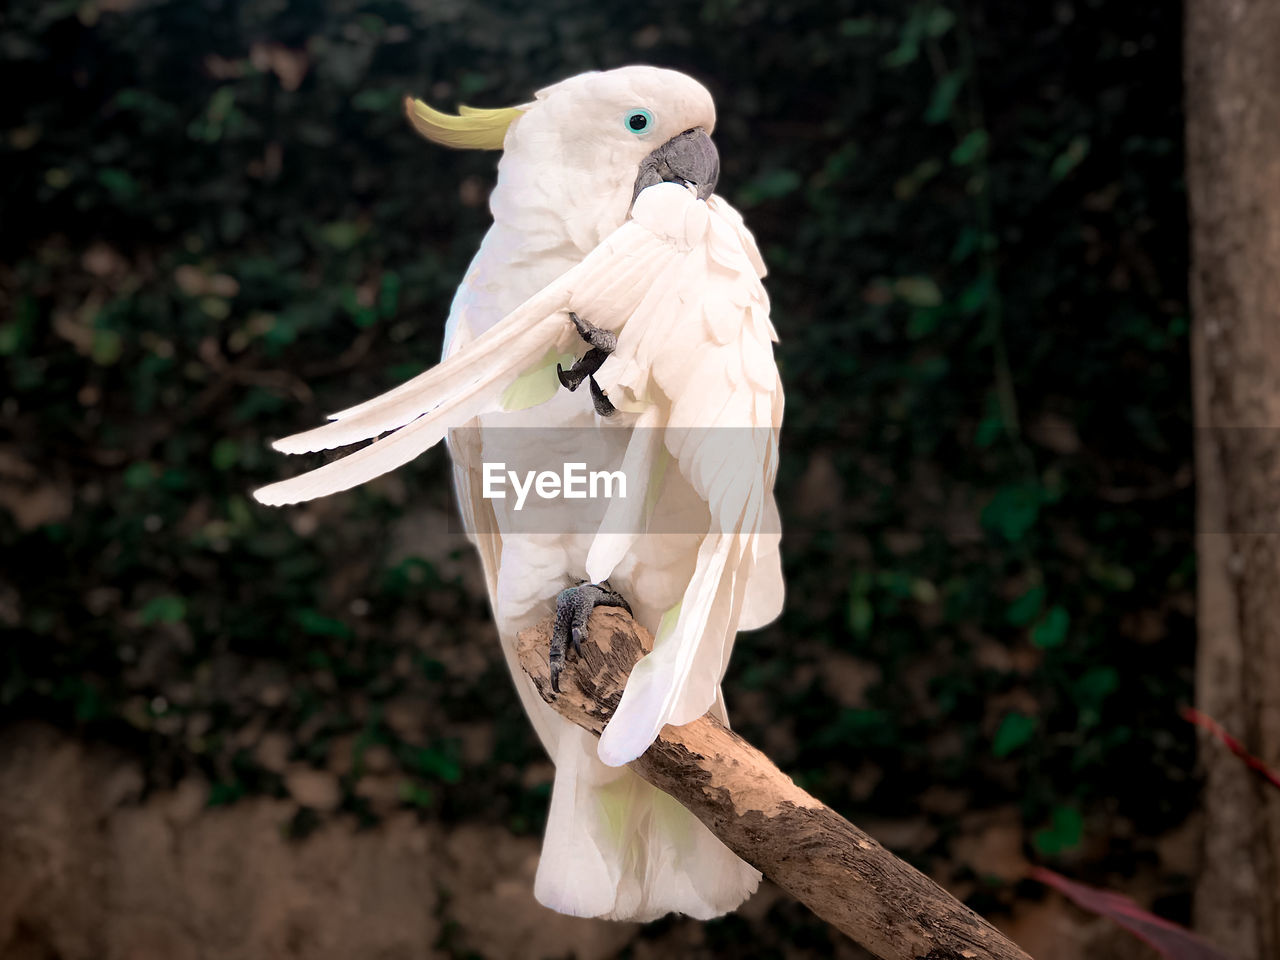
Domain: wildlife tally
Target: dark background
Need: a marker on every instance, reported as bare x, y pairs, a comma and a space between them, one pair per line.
216, 226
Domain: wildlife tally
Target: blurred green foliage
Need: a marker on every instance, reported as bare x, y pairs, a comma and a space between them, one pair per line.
217, 227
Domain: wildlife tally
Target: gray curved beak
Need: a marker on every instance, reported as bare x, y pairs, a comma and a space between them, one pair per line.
689, 158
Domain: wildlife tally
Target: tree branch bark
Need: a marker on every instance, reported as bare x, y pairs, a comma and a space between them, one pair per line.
1233, 180
802, 845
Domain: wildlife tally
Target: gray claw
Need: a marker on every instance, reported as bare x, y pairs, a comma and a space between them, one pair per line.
573, 610
602, 343
583, 367
600, 400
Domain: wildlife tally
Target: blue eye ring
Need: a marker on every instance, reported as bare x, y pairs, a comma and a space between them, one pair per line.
638, 121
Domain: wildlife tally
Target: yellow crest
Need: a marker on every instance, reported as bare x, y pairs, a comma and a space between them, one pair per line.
472, 129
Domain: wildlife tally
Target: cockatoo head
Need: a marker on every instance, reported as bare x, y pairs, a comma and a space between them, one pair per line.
586, 146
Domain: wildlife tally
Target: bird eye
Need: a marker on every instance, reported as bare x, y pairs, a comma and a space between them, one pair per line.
638, 121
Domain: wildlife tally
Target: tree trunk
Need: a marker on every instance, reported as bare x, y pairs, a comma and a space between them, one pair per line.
1233, 176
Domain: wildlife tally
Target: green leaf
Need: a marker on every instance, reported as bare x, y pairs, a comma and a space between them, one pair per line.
769, 185
1051, 631
15, 334
990, 429
1026, 608
389, 293
209, 127
215, 307
232, 224
317, 624
944, 97
838, 163
106, 347
377, 101
1014, 731
908, 48
222, 793
138, 476
440, 762
1013, 511
858, 27
938, 21
166, 608
970, 241
1069, 158
470, 83
904, 188
1096, 685
924, 591
413, 794
866, 728
362, 316
119, 183
971, 148
977, 294
1114, 575
918, 291
11, 338
1065, 831
923, 322
342, 235
221, 103
966, 244
861, 615
906, 52
90, 704
226, 454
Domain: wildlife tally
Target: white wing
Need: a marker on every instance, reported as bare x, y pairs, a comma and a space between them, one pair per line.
702, 352
611, 282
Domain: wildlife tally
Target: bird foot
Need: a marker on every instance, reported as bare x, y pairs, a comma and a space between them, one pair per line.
573, 610
602, 343
600, 400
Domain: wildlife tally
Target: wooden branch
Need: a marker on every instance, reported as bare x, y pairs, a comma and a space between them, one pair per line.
802, 845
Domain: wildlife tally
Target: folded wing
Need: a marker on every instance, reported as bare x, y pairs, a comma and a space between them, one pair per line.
704, 354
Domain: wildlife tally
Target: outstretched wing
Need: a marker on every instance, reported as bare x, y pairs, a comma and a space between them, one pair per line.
703, 353
610, 283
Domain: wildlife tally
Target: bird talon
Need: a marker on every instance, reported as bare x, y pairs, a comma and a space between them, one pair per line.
583, 367
602, 343
600, 400
567, 378
573, 610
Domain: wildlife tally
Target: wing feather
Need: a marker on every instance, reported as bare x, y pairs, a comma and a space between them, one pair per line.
610, 284
606, 284
710, 361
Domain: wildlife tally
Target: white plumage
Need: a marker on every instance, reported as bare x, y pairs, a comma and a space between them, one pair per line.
699, 408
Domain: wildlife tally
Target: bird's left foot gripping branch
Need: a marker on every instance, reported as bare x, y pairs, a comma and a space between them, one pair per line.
610, 259
573, 610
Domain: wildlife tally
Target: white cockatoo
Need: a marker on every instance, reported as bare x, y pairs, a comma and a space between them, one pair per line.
606, 231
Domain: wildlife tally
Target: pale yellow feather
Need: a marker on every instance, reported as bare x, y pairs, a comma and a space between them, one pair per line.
472, 129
